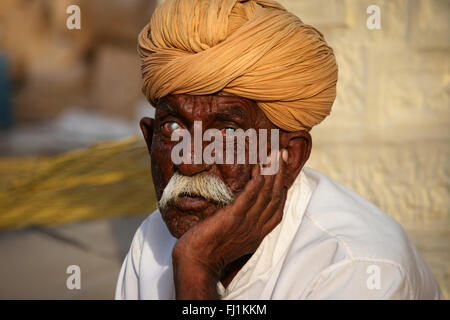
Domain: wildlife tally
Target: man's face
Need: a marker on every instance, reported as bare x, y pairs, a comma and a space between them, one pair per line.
224, 112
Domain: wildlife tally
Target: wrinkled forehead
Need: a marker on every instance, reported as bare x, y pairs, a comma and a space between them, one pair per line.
208, 107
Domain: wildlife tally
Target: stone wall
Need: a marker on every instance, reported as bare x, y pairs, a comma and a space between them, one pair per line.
388, 136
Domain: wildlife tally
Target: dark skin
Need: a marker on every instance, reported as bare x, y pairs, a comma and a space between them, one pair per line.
215, 242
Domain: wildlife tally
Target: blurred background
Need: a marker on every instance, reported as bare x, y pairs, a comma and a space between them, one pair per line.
74, 172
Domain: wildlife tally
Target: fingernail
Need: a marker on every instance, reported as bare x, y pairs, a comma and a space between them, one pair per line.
285, 155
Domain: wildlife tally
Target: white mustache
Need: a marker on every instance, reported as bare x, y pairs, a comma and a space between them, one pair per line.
203, 184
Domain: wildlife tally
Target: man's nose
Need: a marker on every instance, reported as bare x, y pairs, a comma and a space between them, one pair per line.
194, 163
192, 169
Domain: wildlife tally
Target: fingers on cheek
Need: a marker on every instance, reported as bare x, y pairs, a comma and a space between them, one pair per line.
249, 195
253, 196
258, 182
264, 197
256, 171
253, 184
267, 197
281, 176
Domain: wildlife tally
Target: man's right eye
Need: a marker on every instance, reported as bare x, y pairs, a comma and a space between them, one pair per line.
170, 126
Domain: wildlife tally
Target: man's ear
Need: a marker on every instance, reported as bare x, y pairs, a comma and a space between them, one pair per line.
298, 145
146, 125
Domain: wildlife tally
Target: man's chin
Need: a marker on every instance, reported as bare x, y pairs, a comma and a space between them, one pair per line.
179, 222
179, 226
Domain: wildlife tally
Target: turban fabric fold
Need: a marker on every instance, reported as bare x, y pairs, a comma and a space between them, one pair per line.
253, 49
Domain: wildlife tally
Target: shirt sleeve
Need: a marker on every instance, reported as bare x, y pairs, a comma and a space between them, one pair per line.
128, 282
365, 280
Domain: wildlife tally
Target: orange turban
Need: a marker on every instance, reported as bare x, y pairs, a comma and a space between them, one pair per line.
253, 49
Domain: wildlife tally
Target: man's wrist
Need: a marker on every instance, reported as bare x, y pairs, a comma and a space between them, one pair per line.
193, 280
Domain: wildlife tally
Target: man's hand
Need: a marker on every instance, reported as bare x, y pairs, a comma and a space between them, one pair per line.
201, 254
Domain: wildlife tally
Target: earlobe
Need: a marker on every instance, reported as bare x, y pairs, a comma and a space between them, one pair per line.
146, 125
299, 145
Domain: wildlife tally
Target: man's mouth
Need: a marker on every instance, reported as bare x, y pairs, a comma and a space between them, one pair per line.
186, 202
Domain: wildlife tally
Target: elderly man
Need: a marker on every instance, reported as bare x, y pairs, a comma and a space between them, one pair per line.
229, 230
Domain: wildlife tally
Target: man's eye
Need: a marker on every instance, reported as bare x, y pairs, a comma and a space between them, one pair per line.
228, 131
171, 126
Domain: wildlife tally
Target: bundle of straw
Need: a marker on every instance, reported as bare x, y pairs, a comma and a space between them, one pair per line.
105, 180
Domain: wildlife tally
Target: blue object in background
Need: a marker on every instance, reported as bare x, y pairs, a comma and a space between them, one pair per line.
6, 118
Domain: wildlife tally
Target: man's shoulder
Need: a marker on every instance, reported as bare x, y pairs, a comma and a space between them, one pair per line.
363, 230
153, 233
346, 235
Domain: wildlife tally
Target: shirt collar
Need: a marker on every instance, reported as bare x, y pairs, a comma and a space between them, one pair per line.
274, 246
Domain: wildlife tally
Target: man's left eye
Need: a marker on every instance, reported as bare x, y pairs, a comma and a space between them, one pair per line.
228, 131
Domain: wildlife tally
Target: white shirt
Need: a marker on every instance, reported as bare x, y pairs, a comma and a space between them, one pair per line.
330, 244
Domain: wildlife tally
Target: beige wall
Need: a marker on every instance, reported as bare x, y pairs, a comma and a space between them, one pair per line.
388, 136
